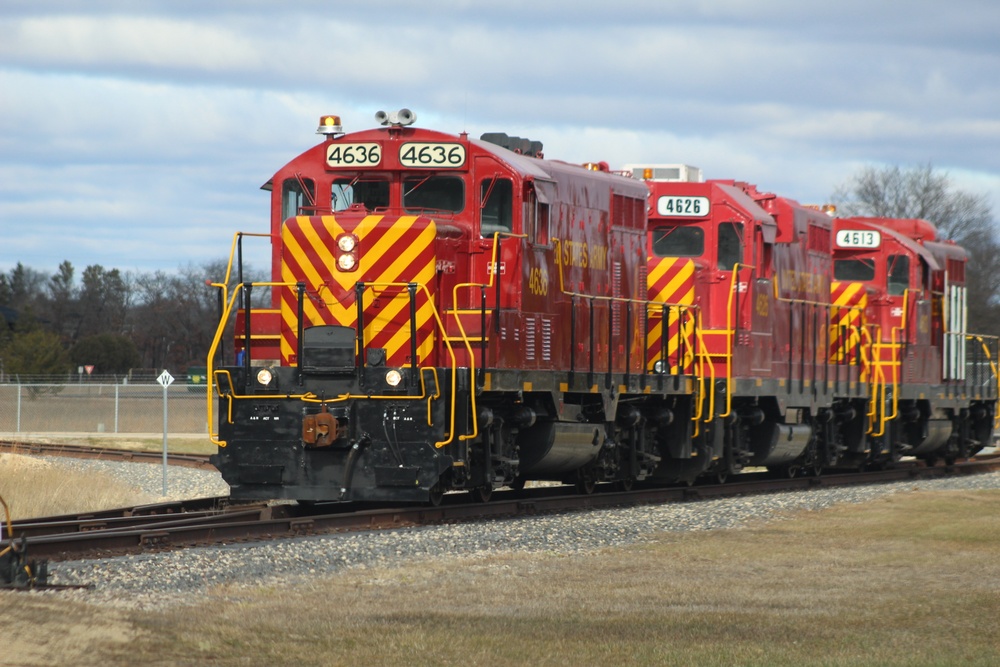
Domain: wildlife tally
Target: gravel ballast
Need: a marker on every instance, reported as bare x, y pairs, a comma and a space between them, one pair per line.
180, 577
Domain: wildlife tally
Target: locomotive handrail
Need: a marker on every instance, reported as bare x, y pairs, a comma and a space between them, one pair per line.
234, 250
455, 310
451, 354
701, 354
232, 394
731, 332
993, 368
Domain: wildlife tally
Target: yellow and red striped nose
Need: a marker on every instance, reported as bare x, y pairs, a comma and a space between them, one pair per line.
670, 280
332, 254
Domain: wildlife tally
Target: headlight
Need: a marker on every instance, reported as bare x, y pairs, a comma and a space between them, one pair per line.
264, 376
345, 262
346, 243
393, 378
658, 366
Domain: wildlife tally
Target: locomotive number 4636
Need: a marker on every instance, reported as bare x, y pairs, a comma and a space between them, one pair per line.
353, 155
425, 154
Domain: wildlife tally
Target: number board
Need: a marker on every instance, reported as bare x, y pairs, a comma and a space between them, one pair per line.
684, 207
858, 238
353, 155
425, 154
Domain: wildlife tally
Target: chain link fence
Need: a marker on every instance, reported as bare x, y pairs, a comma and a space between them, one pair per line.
100, 407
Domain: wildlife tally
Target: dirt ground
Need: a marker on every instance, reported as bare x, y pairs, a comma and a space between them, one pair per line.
43, 629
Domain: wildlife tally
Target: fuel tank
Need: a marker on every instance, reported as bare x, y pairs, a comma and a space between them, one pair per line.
550, 449
776, 444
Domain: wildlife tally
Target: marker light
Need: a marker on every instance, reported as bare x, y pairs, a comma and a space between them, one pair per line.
264, 376
393, 378
658, 366
347, 243
330, 125
346, 262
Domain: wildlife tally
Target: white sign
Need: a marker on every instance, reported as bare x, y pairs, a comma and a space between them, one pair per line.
425, 154
353, 155
858, 238
166, 379
683, 207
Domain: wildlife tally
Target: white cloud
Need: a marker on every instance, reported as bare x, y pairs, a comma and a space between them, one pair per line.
143, 131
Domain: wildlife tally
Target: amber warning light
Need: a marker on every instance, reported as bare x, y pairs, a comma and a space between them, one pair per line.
330, 125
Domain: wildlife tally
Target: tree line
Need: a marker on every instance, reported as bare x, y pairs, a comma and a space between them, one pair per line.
53, 324
117, 322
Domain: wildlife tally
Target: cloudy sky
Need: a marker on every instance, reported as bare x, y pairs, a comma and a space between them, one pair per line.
136, 134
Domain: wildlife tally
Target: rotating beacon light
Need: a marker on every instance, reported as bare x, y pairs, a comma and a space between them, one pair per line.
330, 126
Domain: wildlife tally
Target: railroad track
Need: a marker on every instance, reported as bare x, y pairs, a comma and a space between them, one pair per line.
214, 520
104, 453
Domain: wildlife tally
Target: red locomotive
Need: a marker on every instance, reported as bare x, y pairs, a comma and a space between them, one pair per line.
934, 385
448, 313
757, 267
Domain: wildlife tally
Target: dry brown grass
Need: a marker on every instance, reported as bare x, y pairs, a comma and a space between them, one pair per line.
34, 487
910, 580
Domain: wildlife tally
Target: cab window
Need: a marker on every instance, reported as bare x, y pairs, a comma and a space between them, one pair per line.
899, 274
433, 193
495, 214
730, 245
372, 193
678, 241
853, 270
296, 195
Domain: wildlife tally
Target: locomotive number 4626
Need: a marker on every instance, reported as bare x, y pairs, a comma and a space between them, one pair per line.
695, 207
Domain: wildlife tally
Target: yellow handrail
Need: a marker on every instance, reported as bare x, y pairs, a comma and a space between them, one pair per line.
232, 394
493, 270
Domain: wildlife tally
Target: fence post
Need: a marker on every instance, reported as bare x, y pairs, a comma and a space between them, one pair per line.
18, 405
116, 407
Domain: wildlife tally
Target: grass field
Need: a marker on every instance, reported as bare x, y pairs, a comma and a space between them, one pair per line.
912, 579
34, 487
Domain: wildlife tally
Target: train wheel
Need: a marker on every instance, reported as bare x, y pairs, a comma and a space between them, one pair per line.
789, 471
516, 485
625, 484
436, 494
585, 486
481, 494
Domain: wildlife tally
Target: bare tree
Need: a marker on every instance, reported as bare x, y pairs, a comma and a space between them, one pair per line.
963, 217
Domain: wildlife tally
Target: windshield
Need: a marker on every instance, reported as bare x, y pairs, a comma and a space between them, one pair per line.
373, 193
854, 269
438, 193
678, 241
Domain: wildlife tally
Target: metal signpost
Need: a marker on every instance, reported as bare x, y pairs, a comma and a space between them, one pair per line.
165, 379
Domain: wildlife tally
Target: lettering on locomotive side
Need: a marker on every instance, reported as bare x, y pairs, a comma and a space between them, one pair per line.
584, 256
538, 281
800, 281
763, 304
